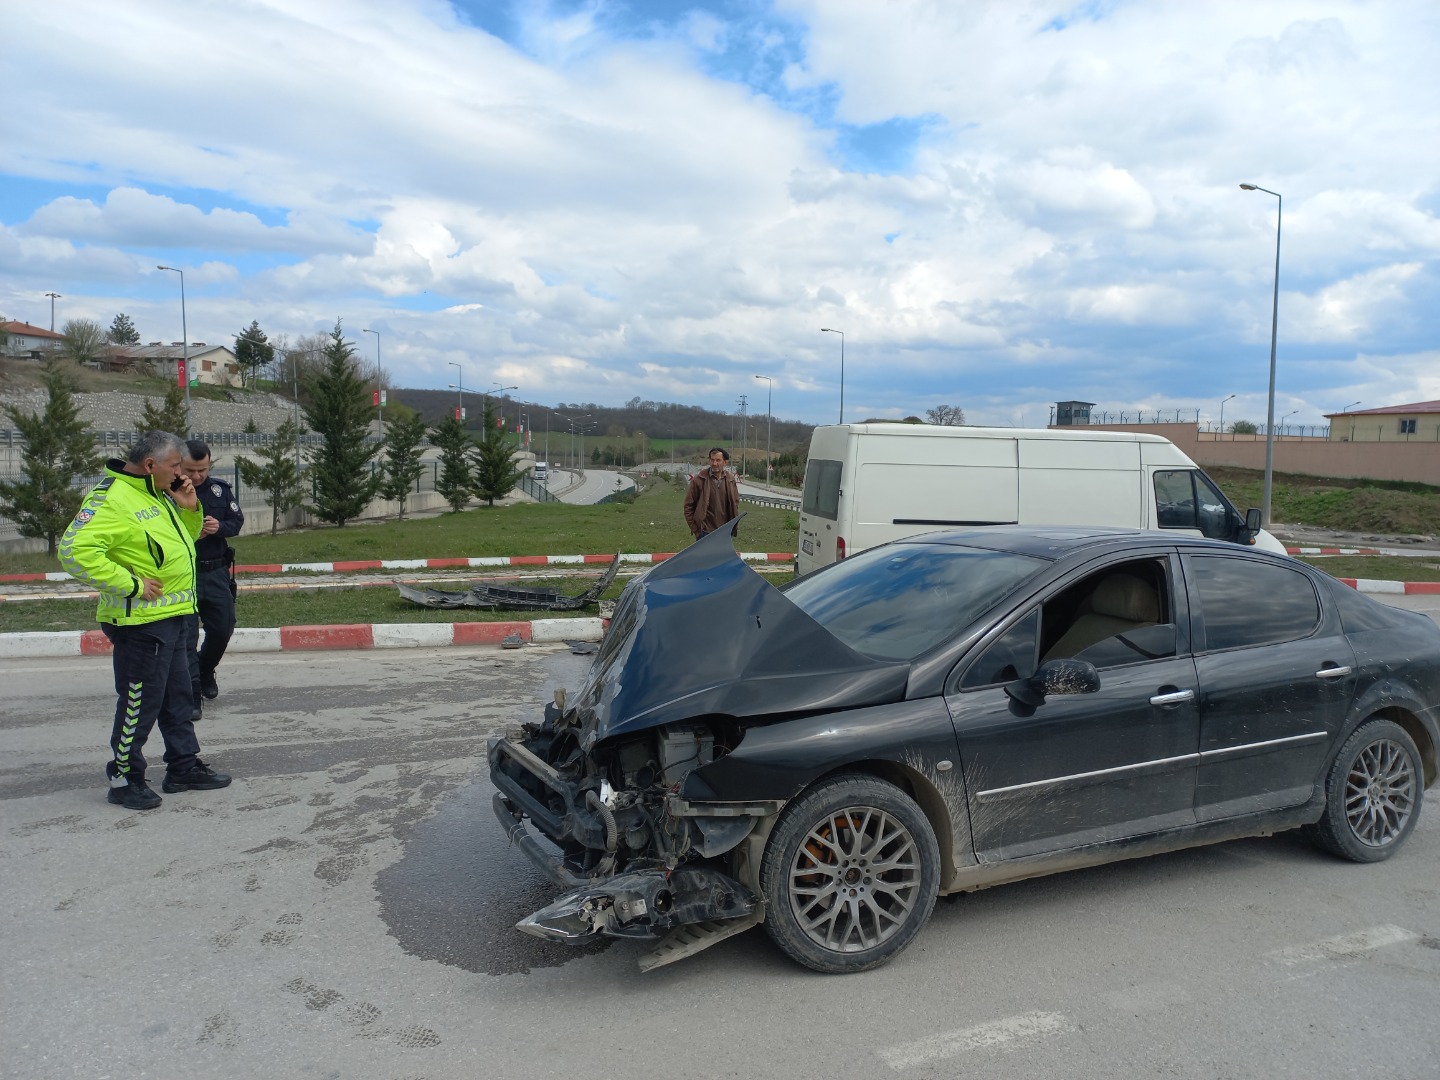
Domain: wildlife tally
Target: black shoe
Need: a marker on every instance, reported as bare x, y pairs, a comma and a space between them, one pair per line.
136, 795
199, 777
197, 710
209, 688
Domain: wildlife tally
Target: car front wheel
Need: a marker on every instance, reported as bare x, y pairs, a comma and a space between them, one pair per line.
849, 874
1372, 794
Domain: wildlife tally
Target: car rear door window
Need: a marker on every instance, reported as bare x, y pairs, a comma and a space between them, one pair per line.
1244, 602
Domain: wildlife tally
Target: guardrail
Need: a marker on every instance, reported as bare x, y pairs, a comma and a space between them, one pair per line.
775, 502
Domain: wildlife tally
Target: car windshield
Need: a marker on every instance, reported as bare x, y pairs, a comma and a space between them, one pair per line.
895, 602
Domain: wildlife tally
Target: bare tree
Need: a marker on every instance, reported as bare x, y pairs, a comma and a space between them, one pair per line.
84, 340
946, 415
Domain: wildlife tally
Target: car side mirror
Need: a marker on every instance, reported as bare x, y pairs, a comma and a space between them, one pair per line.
1252, 525
1062, 677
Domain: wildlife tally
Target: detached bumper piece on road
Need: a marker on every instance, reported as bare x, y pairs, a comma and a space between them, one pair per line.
495, 597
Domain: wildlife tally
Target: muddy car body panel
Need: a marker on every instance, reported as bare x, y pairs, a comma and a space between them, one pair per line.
952, 712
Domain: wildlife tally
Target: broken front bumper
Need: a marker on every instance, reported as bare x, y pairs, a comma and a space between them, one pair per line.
638, 903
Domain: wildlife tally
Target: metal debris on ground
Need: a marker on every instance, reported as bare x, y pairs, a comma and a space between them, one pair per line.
512, 641
495, 596
583, 648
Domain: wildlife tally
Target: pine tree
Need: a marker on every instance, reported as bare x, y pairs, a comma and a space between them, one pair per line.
495, 473
402, 457
253, 351
339, 413
170, 416
281, 477
122, 331
59, 452
456, 478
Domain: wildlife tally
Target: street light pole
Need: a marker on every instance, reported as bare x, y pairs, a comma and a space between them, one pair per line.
379, 385
184, 344
769, 417
827, 330
460, 386
495, 390
53, 297
1274, 322
1222, 414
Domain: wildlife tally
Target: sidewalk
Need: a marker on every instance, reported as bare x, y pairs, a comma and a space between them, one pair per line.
66, 643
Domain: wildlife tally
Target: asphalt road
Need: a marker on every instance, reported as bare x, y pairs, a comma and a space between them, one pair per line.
588, 487
345, 909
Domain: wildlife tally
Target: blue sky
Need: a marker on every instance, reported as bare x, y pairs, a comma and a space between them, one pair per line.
1002, 203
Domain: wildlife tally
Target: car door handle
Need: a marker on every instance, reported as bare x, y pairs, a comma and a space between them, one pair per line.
1332, 673
1174, 697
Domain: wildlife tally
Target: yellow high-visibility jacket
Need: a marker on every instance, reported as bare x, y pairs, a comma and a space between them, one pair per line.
127, 530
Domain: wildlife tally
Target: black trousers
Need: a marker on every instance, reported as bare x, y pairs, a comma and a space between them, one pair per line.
152, 684
217, 616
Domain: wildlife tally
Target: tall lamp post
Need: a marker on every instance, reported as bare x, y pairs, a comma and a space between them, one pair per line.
495, 390
827, 330
379, 385
459, 384
53, 297
1352, 423
184, 345
1222, 414
1274, 320
769, 397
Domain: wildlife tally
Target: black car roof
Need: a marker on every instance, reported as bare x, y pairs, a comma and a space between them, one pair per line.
1060, 541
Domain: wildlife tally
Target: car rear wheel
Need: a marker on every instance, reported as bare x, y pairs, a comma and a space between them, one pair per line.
1372, 795
849, 874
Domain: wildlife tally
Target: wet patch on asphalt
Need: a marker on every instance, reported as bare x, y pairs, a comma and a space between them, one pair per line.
460, 887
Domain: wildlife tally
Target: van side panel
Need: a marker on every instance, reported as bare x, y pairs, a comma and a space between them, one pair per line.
956, 480
1081, 483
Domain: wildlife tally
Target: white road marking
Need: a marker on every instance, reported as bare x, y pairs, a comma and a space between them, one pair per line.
1004, 1034
1338, 948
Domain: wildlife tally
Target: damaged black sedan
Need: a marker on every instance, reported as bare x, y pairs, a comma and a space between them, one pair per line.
951, 712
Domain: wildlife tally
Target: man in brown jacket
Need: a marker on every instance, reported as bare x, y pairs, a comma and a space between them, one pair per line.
713, 497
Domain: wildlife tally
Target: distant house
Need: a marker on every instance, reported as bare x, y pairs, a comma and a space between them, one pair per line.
212, 364
28, 342
1418, 422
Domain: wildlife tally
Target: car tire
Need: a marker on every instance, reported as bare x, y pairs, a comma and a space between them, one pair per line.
1372, 794
849, 874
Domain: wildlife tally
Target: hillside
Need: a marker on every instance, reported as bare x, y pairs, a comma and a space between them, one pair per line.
112, 401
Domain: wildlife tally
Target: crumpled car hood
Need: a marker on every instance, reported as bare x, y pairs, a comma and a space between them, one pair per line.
703, 634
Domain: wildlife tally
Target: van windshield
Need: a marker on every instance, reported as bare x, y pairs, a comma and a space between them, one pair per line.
897, 601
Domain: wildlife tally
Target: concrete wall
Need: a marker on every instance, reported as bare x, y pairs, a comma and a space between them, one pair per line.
1416, 461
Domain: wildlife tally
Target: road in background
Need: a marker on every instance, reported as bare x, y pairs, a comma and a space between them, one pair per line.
345, 909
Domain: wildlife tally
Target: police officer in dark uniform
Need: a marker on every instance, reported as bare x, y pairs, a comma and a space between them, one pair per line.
214, 577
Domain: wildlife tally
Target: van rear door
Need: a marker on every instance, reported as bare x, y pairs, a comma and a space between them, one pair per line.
819, 510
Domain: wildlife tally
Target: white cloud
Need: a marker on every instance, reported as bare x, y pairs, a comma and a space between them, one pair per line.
599, 218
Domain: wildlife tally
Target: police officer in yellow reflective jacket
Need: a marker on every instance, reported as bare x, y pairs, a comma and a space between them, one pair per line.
134, 541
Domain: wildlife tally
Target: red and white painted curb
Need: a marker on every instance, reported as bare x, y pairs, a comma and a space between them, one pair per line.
1407, 588
355, 565
64, 643
1332, 551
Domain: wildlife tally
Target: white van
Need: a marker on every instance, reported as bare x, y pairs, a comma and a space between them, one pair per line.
867, 484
